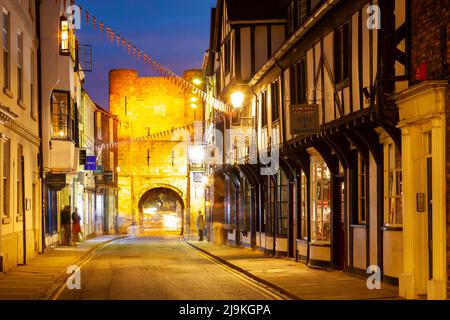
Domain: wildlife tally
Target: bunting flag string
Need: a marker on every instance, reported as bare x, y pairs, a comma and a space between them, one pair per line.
148, 138
154, 66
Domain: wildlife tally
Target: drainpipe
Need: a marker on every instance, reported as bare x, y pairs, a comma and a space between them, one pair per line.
41, 148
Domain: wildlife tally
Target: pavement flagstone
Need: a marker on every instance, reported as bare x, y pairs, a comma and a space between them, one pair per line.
297, 279
44, 273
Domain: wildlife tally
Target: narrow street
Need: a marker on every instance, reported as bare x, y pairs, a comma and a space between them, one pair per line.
158, 267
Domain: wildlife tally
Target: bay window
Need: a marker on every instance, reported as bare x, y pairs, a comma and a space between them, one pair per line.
61, 115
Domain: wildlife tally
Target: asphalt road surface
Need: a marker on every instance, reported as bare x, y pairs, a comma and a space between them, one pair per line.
158, 267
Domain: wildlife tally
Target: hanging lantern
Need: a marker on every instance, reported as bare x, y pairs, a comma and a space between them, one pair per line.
94, 22
87, 17
100, 25
118, 40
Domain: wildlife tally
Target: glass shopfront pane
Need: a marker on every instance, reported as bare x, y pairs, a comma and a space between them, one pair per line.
321, 210
304, 203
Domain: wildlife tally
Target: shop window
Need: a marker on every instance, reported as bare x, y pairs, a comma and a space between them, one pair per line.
51, 219
64, 36
6, 177
61, 116
6, 50
303, 207
321, 198
394, 186
246, 205
362, 190
270, 205
282, 204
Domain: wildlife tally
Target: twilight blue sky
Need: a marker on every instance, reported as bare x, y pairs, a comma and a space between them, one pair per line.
174, 32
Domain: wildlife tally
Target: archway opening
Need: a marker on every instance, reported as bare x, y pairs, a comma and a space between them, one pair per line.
161, 209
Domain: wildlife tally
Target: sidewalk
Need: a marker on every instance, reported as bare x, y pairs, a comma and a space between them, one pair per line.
295, 278
46, 272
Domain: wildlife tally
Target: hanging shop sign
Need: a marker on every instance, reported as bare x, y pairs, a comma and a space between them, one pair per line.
304, 119
56, 182
83, 157
99, 171
108, 176
91, 163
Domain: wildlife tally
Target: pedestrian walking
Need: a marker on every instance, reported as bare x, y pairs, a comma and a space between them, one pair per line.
76, 228
65, 223
200, 225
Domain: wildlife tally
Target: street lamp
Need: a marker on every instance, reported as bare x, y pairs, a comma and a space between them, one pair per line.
197, 81
237, 99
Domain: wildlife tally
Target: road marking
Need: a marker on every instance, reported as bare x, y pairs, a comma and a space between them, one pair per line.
86, 260
252, 283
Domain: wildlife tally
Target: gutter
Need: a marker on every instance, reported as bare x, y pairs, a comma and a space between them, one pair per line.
288, 44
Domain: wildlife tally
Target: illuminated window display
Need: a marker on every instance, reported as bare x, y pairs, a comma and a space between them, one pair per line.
321, 198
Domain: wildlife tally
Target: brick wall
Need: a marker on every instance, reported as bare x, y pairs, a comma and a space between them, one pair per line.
430, 33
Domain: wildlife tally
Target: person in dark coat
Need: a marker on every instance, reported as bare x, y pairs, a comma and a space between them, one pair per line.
200, 226
65, 223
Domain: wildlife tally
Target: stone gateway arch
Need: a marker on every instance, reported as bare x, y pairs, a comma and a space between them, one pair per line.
151, 164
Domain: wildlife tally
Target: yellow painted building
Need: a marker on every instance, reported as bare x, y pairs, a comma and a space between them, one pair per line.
154, 113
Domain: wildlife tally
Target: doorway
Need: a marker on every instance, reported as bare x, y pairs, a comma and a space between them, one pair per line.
339, 223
